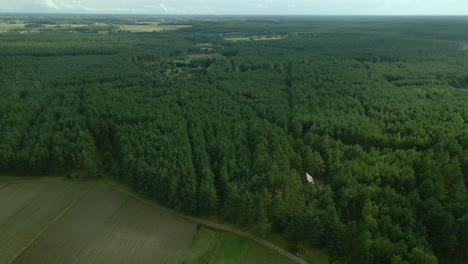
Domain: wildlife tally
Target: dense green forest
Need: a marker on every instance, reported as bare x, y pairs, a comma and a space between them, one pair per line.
224, 117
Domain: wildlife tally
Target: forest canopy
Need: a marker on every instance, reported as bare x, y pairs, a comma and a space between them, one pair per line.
224, 116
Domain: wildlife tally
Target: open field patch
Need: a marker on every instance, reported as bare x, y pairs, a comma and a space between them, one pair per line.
215, 247
151, 27
134, 232
15, 197
203, 56
237, 39
51, 220
64, 240
172, 27
204, 245
144, 27
3, 184
4, 27
253, 38
26, 224
233, 249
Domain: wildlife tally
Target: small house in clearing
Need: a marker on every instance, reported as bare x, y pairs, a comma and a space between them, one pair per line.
306, 177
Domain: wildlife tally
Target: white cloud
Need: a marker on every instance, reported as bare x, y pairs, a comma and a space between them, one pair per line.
62, 5
47, 3
163, 7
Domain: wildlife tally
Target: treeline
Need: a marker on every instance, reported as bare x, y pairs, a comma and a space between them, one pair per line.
378, 119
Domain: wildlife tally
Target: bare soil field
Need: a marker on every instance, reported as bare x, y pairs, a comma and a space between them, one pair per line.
14, 197
80, 225
52, 221
134, 232
3, 184
26, 224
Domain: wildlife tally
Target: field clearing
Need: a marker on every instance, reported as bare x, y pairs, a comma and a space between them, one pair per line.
147, 27
52, 220
63, 242
204, 56
74, 25
3, 184
25, 225
5, 27
14, 197
235, 39
134, 233
152, 27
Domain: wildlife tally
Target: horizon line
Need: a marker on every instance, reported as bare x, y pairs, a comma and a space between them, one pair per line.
188, 14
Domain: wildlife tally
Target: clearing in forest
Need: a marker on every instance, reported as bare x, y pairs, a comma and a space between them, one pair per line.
235, 39
151, 27
5, 27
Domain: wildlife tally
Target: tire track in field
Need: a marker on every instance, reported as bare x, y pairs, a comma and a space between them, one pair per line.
12, 191
6, 184
209, 224
28, 203
71, 205
102, 230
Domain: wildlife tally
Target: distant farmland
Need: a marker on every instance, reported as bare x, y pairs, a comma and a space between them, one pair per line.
152, 27
44, 221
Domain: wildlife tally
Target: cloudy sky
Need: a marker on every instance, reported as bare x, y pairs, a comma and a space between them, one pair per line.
293, 7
